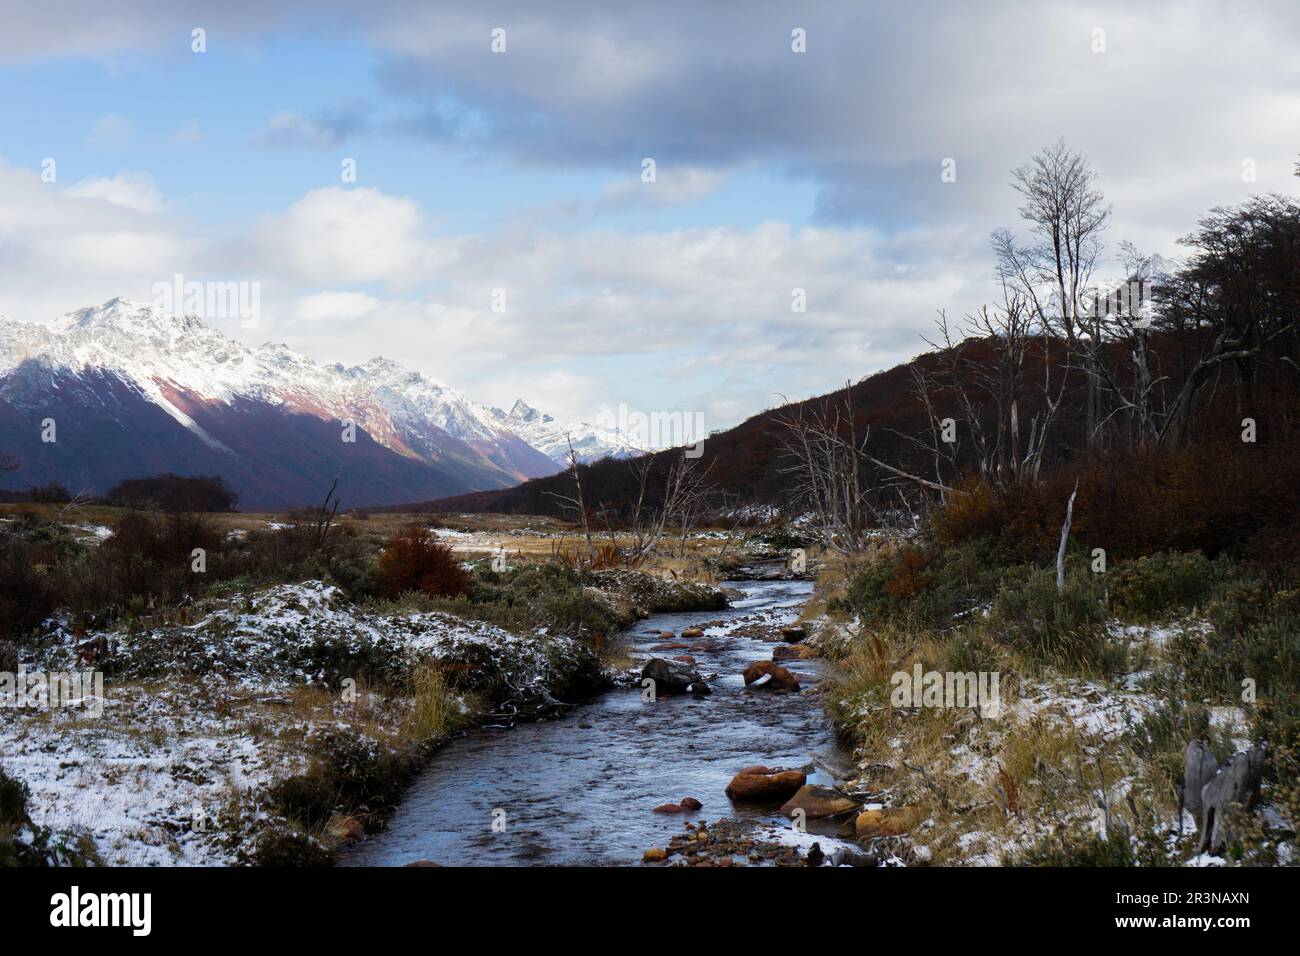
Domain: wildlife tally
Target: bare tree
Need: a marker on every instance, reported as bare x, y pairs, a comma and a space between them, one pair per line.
1067, 216
577, 502
826, 458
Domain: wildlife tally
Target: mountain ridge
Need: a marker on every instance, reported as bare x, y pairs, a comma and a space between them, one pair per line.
117, 363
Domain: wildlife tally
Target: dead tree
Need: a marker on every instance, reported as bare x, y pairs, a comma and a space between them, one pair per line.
826, 458
1065, 537
1067, 215
577, 502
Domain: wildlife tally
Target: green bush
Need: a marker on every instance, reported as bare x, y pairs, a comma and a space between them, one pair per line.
1077, 849
282, 846
347, 771
1149, 587
919, 587
970, 652
1064, 629
14, 795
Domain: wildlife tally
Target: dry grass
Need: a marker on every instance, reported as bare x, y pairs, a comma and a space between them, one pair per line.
435, 710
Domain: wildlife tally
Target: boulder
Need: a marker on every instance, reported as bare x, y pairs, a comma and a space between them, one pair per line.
817, 802
765, 787
793, 652
888, 822
654, 855
793, 634
692, 632
770, 676
669, 808
848, 857
674, 677
690, 804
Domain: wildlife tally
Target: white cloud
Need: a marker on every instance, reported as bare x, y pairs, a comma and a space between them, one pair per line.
290, 129
671, 187
110, 132
334, 235
336, 306
129, 190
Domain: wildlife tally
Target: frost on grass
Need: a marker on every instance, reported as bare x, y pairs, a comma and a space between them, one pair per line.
201, 720
1099, 758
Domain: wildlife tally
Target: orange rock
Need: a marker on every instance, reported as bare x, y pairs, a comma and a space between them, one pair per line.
690, 803
782, 785
654, 855
817, 802
668, 808
770, 676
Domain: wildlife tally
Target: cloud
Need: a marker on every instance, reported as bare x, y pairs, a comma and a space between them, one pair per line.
289, 129
111, 131
129, 190
336, 306
65, 248
1182, 94
335, 235
671, 187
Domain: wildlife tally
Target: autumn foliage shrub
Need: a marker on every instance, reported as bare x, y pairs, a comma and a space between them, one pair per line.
414, 560
1231, 498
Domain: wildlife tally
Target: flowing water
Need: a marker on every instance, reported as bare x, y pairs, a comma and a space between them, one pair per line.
580, 790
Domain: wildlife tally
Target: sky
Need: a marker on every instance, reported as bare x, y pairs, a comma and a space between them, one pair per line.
502, 231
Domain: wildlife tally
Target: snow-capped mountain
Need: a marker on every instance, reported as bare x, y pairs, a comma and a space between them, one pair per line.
551, 437
133, 390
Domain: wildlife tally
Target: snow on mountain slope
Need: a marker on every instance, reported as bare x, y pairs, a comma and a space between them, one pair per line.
414, 402
591, 442
96, 359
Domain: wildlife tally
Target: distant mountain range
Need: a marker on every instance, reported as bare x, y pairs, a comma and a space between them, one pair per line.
132, 390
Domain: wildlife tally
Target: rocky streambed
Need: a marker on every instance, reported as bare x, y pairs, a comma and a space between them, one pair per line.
632, 772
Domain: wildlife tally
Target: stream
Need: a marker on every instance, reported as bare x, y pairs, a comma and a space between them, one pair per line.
581, 790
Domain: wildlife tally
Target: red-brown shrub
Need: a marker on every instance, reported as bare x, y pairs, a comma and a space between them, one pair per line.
414, 560
1219, 498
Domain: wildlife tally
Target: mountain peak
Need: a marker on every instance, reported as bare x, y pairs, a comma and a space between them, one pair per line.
521, 411
126, 315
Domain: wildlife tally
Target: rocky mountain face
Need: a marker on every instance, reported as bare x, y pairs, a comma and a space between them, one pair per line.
125, 389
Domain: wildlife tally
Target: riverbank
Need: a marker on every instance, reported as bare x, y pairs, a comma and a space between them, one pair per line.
274, 725
1098, 693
